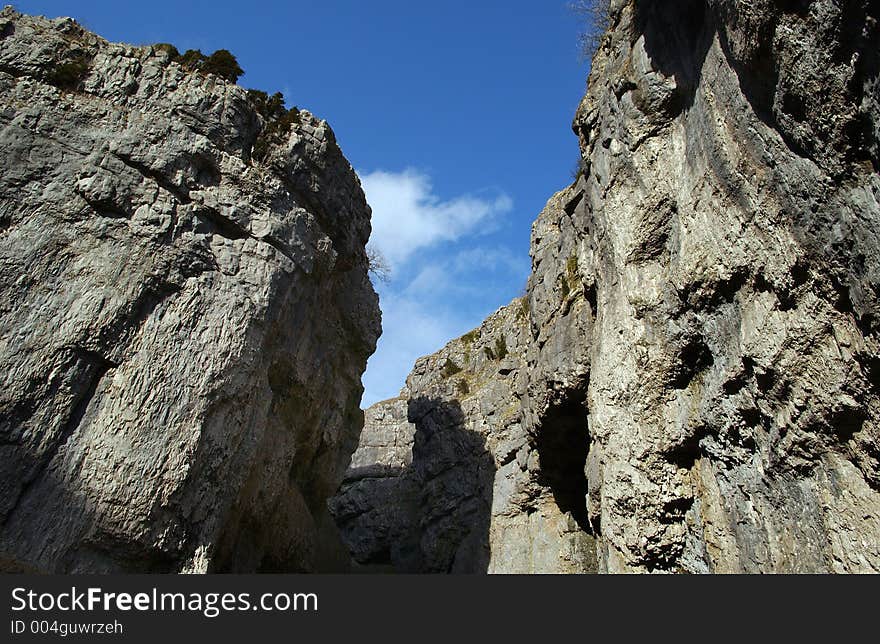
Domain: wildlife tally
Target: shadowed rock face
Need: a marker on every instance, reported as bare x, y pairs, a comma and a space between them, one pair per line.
182, 328
447, 478
698, 361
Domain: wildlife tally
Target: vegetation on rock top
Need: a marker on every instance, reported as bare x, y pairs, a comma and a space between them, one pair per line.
221, 63
450, 369
278, 120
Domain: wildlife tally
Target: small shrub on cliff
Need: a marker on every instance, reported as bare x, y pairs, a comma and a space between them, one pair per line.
274, 133
223, 64
569, 280
501, 348
269, 107
522, 312
564, 287
469, 337
168, 48
70, 74
191, 59
499, 352
463, 387
278, 121
571, 266
449, 369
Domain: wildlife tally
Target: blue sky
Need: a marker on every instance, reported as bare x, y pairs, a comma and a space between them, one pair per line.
456, 115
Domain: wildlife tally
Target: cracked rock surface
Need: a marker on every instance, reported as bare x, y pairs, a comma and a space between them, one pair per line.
727, 223
448, 479
698, 378
182, 328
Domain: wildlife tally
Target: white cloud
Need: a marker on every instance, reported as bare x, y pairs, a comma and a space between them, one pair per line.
409, 331
433, 278
447, 297
492, 259
469, 272
442, 284
409, 216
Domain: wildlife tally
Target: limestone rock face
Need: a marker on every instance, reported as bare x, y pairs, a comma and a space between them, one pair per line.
183, 327
726, 240
446, 477
696, 378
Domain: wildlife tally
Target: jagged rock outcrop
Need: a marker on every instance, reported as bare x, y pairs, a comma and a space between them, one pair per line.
447, 479
182, 327
727, 223
703, 306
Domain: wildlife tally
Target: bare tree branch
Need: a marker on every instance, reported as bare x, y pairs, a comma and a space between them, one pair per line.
596, 13
378, 265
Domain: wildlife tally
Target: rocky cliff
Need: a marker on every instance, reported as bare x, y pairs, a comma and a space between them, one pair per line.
447, 479
183, 322
693, 385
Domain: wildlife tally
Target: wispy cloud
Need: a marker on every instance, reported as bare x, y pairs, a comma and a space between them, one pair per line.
408, 216
497, 260
447, 296
471, 272
448, 270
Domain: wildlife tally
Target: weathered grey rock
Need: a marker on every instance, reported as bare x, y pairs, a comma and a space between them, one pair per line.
703, 309
727, 227
182, 328
444, 478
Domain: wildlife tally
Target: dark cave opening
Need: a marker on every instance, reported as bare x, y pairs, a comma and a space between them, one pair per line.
563, 442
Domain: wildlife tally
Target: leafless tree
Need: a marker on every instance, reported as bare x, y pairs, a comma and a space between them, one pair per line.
378, 265
596, 14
